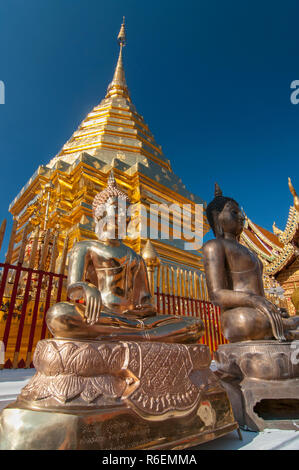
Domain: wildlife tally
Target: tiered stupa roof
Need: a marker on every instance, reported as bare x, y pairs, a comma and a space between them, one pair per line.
117, 135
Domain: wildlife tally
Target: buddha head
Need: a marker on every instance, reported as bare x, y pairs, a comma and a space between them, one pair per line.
224, 215
109, 210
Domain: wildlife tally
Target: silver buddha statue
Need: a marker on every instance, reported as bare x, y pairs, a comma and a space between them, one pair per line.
110, 281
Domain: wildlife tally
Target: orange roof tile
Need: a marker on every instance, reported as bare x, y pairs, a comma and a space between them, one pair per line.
253, 238
271, 236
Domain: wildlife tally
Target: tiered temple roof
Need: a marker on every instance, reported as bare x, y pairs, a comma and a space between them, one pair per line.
278, 250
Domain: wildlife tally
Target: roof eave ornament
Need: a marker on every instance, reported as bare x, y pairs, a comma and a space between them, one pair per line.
122, 34
296, 197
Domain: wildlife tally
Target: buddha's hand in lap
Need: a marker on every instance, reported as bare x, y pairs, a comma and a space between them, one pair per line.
272, 312
92, 298
264, 305
283, 312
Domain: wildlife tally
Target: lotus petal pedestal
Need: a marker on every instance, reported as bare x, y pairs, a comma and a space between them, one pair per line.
262, 382
117, 395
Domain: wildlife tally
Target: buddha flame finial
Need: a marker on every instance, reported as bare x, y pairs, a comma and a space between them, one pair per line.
218, 191
110, 192
111, 178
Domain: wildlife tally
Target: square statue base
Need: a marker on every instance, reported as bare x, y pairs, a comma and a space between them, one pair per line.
117, 395
262, 381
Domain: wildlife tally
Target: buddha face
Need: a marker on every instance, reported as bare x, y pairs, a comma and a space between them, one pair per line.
231, 219
111, 220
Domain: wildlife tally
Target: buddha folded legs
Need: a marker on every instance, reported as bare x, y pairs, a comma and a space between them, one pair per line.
245, 323
67, 320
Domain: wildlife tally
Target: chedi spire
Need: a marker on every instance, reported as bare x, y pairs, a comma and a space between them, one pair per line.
118, 86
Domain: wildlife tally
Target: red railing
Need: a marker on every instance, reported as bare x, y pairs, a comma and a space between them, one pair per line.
26, 294
186, 306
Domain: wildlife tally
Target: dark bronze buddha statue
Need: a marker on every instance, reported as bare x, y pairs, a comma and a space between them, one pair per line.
235, 282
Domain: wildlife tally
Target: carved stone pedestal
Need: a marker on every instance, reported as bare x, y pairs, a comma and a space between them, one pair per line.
262, 382
117, 395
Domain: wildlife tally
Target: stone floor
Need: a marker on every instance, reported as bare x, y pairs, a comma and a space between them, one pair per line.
11, 382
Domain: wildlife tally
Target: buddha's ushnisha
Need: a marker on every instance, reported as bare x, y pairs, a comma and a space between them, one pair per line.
110, 192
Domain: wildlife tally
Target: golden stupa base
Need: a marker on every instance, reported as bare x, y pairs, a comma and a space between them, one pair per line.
98, 395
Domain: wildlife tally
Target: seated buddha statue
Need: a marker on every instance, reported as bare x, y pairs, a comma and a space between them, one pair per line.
109, 289
234, 276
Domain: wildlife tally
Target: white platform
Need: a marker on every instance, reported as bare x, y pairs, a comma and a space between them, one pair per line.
11, 382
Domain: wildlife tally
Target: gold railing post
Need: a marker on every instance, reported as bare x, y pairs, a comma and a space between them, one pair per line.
2, 232
11, 242
152, 261
64, 255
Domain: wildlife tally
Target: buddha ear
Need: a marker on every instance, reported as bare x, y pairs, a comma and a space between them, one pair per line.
217, 226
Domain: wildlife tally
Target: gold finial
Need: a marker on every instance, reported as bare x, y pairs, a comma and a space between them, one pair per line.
296, 197
122, 34
218, 191
118, 86
152, 262
150, 255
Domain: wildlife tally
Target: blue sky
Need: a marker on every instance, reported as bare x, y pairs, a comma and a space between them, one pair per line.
211, 78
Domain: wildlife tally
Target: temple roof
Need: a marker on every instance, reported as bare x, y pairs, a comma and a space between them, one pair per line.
276, 250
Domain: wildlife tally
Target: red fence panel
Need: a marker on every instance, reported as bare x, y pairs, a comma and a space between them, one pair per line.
209, 313
25, 296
